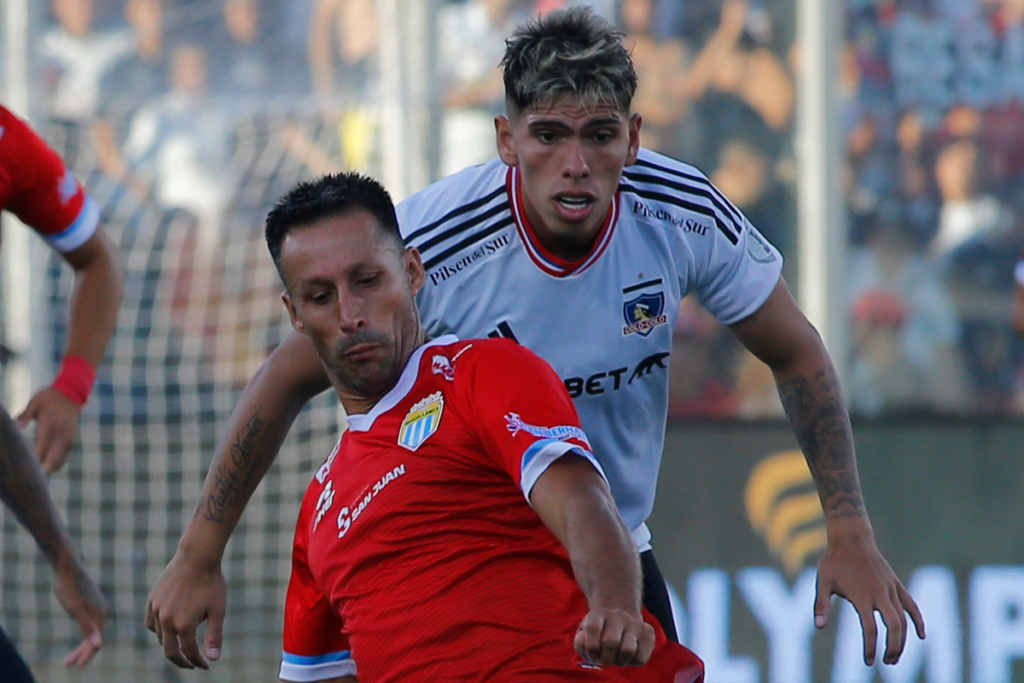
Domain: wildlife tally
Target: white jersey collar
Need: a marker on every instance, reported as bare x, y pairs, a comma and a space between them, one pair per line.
363, 422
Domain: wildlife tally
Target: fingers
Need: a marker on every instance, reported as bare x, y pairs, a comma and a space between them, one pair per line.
189, 643
215, 631
896, 631
29, 414
867, 621
172, 648
614, 639
86, 650
52, 450
822, 601
907, 603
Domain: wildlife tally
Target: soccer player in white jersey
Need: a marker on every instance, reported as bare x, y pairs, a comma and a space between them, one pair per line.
578, 244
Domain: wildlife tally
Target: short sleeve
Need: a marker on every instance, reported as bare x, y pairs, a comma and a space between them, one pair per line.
46, 196
315, 648
734, 278
520, 410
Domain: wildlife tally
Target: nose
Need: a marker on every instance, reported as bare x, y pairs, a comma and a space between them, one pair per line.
574, 165
351, 313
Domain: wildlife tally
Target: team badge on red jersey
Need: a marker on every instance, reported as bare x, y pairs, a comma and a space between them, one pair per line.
423, 420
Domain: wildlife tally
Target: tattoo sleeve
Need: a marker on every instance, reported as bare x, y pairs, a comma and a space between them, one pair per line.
238, 475
23, 489
821, 424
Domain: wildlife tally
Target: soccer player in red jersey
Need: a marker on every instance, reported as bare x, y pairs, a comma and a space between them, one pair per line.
36, 187
462, 529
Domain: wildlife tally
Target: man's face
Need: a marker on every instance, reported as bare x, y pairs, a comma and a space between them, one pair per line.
350, 289
571, 160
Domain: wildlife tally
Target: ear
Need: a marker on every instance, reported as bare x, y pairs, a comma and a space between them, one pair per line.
414, 272
506, 141
635, 122
296, 323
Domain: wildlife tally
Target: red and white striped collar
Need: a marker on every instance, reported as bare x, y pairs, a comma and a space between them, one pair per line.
544, 259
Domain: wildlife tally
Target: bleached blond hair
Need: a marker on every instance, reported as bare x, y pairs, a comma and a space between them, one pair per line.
567, 52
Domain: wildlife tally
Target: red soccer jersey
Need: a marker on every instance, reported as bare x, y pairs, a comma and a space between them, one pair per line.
416, 543
37, 188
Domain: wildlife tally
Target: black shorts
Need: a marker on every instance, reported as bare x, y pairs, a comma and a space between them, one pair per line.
656, 598
13, 667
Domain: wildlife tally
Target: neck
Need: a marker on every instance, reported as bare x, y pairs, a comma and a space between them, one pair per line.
571, 247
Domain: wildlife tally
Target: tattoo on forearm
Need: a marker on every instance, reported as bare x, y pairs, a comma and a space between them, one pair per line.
822, 428
23, 489
234, 480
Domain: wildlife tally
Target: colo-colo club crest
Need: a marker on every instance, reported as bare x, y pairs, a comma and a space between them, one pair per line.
423, 420
645, 311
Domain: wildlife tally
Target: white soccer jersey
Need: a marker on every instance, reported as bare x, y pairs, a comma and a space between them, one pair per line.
604, 322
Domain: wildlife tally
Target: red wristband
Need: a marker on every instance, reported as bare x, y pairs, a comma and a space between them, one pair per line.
75, 379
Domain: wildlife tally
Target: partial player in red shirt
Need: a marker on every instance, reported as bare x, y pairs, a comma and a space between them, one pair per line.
36, 187
1017, 312
462, 530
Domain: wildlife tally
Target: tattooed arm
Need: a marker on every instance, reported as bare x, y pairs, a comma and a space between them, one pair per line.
852, 567
23, 489
191, 588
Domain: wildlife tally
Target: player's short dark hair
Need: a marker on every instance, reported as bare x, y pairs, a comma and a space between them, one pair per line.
329, 196
567, 52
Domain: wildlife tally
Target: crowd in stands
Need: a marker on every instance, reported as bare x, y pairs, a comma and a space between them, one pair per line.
203, 111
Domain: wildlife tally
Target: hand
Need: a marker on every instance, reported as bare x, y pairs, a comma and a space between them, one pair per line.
614, 636
84, 603
855, 570
57, 417
187, 593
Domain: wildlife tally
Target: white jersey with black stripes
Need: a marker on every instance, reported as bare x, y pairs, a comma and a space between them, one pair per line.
604, 322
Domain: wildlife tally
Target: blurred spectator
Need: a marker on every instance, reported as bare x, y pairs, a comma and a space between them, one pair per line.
75, 58
471, 42
702, 376
969, 213
904, 328
176, 146
744, 177
246, 72
353, 25
1017, 313
137, 79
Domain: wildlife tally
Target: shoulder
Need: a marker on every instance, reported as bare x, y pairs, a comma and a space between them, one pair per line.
679, 194
485, 359
453, 204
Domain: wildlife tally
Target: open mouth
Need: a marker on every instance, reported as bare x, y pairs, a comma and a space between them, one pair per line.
574, 202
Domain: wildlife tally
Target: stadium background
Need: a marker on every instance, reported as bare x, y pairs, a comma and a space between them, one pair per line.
186, 119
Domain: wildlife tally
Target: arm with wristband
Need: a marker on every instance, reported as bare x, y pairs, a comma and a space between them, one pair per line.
95, 299
44, 194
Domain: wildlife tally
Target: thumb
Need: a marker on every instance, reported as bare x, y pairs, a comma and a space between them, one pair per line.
214, 632
822, 603
28, 414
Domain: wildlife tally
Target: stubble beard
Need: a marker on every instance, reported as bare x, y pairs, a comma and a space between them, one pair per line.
368, 379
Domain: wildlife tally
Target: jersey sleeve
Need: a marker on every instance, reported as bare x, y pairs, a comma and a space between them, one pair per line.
44, 195
738, 269
315, 648
520, 410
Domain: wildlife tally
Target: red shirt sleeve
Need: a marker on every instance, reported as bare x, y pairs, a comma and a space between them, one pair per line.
520, 409
37, 187
314, 646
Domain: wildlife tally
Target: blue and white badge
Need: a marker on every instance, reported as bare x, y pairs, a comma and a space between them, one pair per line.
422, 420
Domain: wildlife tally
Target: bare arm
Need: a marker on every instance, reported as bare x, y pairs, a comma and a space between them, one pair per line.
574, 502
191, 588
23, 489
1017, 314
780, 335
95, 300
